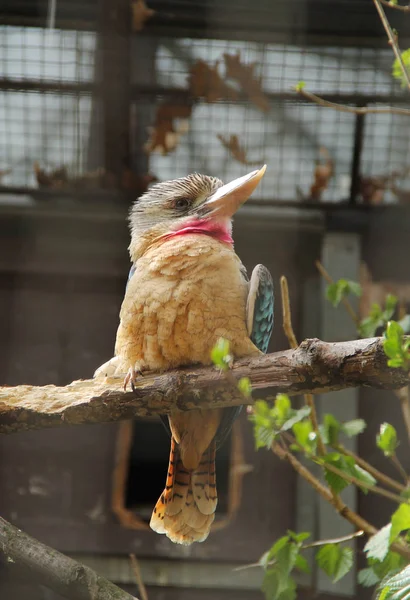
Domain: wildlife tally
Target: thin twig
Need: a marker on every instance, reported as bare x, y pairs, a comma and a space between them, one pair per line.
350, 478
349, 308
392, 40
396, 6
339, 540
362, 484
290, 334
381, 477
286, 312
355, 110
400, 468
344, 511
137, 573
404, 396
324, 492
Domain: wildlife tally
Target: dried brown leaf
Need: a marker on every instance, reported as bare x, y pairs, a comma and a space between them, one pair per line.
55, 179
322, 174
205, 82
250, 83
165, 134
238, 152
140, 14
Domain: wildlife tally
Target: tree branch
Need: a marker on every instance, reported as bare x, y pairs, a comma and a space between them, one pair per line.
313, 367
355, 110
392, 37
54, 570
403, 8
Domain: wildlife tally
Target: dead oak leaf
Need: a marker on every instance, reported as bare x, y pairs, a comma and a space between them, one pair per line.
322, 174
245, 75
165, 133
140, 14
238, 152
205, 82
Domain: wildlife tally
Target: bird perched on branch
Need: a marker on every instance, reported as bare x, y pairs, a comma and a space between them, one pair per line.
187, 288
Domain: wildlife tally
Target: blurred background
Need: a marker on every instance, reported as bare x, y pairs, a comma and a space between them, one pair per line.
98, 99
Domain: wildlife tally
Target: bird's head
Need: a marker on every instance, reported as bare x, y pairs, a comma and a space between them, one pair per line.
194, 204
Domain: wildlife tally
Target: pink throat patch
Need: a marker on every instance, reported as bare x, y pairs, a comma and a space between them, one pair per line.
214, 229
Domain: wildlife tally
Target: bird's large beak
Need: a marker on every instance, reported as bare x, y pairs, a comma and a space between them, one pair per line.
230, 197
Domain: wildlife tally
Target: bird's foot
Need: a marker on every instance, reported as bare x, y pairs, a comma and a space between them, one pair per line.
131, 377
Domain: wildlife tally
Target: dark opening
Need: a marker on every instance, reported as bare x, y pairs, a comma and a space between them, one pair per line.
148, 466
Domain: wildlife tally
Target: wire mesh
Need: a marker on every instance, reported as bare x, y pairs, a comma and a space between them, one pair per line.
51, 110
289, 137
51, 128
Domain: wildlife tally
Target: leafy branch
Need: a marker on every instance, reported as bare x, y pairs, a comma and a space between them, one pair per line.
287, 431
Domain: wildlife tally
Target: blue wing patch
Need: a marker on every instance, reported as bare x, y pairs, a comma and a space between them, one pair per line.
260, 308
130, 274
259, 318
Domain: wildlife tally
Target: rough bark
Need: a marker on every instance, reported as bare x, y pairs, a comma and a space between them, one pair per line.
54, 570
315, 367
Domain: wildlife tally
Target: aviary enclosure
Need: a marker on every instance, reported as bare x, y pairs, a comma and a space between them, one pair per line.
100, 99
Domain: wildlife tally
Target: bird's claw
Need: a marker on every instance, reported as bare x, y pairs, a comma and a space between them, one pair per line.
131, 377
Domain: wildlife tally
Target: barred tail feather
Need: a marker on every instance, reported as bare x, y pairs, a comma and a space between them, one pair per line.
185, 510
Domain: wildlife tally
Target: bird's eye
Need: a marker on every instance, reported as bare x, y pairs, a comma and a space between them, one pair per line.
181, 203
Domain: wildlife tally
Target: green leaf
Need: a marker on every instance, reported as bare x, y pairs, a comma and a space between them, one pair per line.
335, 560
405, 494
377, 317
338, 290
330, 429
354, 427
268, 421
347, 465
277, 583
299, 537
364, 476
300, 85
392, 562
305, 436
391, 303
286, 557
368, 327
378, 545
400, 521
396, 586
263, 424
245, 387
367, 577
383, 593
355, 288
397, 72
336, 482
276, 587
278, 546
302, 564
270, 584
220, 354
395, 347
299, 415
386, 440
282, 406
